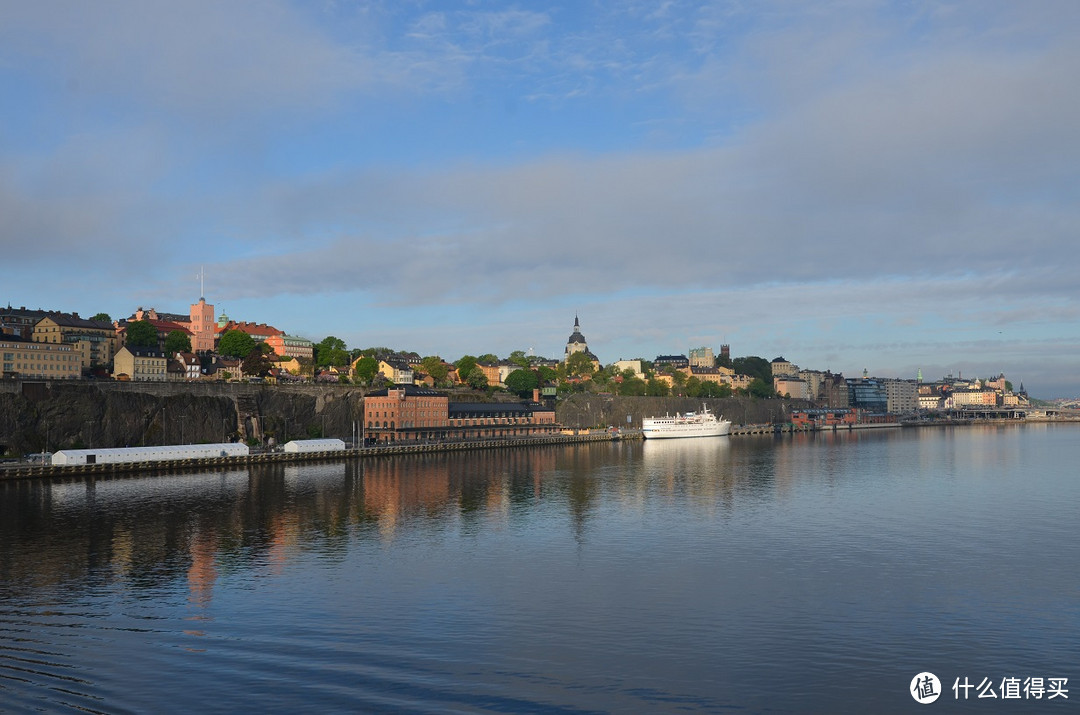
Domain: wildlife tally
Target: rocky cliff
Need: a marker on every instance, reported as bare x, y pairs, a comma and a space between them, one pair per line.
46, 416
590, 410
36, 417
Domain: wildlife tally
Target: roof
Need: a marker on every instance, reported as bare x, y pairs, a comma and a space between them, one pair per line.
249, 328
144, 352
71, 321
22, 312
461, 409
410, 391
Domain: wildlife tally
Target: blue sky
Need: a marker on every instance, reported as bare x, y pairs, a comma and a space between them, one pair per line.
888, 185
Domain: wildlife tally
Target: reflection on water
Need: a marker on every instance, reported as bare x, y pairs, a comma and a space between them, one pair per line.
704, 574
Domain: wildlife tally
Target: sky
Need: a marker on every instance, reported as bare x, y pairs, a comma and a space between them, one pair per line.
889, 186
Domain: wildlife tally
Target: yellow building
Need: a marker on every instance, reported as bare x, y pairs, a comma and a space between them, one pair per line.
26, 358
396, 371
141, 364
95, 340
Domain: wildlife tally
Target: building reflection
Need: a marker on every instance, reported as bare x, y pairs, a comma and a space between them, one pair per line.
181, 532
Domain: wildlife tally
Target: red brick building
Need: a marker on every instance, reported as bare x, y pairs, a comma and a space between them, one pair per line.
415, 414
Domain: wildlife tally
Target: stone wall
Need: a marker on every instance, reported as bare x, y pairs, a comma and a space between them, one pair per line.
40, 416
590, 410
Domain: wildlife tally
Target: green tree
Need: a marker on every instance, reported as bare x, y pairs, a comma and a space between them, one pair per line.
714, 389
546, 374
178, 341
488, 359
477, 380
522, 382
101, 317
760, 388
141, 334
236, 343
465, 365
692, 387
579, 364
754, 366
656, 388
331, 351
366, 367
518, 358
435, 367
633, 386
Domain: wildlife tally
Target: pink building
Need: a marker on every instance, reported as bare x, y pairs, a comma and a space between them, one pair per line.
202, 326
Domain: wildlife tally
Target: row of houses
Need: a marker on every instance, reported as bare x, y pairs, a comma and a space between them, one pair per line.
57, 345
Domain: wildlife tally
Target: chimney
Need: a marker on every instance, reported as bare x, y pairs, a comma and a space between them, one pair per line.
536, 394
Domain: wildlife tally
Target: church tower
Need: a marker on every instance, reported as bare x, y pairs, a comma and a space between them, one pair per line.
576, 343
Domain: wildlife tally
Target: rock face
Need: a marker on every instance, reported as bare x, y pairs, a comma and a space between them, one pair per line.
36, 417
47, 416
591, 410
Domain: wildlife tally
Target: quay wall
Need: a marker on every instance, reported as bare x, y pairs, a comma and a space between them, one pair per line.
32, 471
40, 416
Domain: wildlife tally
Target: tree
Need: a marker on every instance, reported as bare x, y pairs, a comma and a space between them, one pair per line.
141, 334
634, 386
178, 341
465, 366
760, 388
331, 351
236, 343
522, 382
366, 368
477, 380
518, 358
579, 364
754, 366
656, 388
256, 364
546, 374
488, 359
101, 317
714, 389
435, 367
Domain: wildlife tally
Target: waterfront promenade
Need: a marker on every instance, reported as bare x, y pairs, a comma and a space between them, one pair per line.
36, 469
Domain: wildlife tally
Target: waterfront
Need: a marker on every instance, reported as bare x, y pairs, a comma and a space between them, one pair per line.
807, 572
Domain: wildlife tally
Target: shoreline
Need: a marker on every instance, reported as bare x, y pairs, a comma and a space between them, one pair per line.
39, 471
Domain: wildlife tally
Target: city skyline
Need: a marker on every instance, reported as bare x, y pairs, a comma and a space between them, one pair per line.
888, 186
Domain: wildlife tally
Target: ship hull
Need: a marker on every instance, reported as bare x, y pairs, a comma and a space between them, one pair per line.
663, 428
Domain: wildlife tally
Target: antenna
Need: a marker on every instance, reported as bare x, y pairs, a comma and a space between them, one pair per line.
201, 276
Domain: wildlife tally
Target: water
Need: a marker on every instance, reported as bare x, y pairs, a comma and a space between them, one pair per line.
808, 573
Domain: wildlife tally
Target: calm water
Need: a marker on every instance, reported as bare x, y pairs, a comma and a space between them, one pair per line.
801, 574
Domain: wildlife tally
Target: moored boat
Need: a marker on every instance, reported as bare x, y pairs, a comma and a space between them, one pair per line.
685, 424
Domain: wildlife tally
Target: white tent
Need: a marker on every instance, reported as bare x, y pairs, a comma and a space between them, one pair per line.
314, 445
165, 453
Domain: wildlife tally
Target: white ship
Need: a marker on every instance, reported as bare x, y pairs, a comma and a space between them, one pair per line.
686, 424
